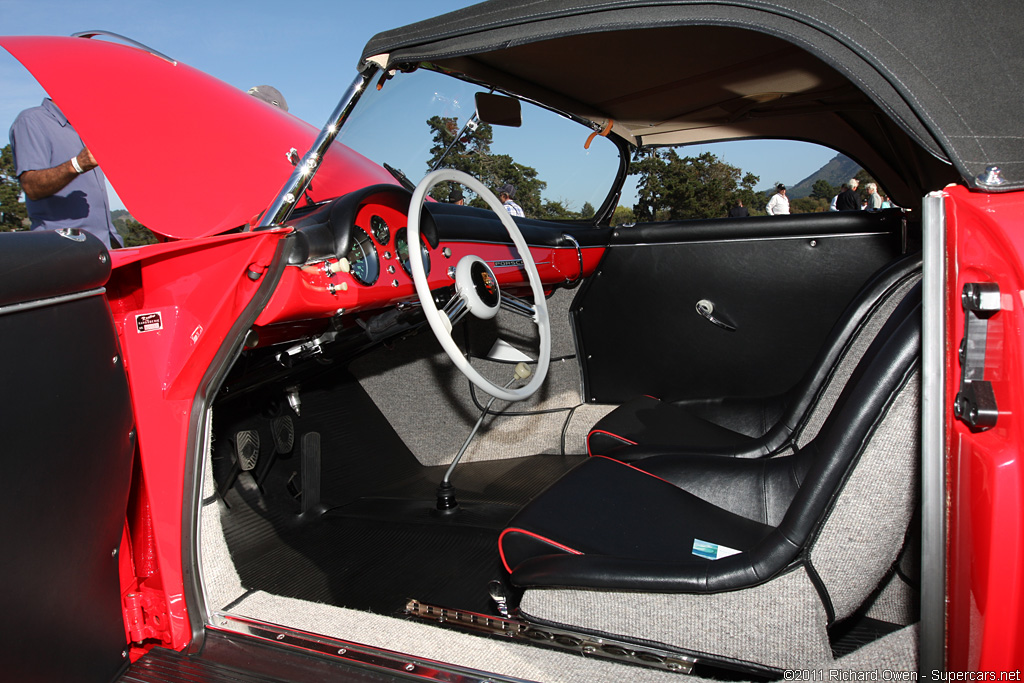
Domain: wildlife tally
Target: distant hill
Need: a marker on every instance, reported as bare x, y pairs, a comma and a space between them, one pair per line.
837, 171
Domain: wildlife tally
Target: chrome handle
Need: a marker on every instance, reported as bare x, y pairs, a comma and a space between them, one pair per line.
707, 309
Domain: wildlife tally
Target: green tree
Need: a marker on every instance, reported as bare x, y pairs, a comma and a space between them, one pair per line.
13, 212
671, 187
471, 153
134, 233
623, 215
822, 189
809, 205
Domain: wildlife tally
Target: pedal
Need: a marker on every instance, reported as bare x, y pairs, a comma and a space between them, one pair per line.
310, 471
284, 434
247, 448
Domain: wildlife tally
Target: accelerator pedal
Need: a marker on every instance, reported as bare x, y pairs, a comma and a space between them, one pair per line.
310, 471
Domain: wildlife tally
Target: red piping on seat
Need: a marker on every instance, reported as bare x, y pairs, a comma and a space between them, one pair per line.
614, 436
501, 551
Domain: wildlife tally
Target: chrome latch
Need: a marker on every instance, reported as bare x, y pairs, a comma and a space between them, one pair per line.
975, 403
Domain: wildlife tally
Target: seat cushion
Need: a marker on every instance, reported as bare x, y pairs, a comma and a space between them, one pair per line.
609, 524
648, 421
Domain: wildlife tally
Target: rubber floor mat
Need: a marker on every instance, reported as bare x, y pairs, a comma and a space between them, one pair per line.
379, 565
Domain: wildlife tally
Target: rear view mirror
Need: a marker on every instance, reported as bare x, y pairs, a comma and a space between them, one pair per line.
498, 110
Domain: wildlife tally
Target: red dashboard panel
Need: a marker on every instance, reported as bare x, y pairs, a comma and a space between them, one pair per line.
315, 291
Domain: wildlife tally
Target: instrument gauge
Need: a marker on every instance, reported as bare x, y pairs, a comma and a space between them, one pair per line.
380, 230
402, 252
362, 257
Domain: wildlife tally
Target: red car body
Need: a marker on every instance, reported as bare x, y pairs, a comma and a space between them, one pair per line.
195, 160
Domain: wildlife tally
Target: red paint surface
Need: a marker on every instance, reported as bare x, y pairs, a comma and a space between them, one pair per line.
985, 474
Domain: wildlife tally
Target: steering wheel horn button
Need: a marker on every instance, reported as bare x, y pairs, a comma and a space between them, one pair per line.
478, 287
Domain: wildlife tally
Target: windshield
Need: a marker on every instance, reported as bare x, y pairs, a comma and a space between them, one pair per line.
421, 120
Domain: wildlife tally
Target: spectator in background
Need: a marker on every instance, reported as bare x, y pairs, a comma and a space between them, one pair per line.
778, 205
456, 197
739, 211
847, 199
506, 195
874, 199
63, 185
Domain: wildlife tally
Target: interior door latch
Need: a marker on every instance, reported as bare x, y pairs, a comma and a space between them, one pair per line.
975, 403
707, 309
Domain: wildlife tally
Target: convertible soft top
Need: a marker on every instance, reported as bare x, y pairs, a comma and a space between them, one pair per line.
948, 75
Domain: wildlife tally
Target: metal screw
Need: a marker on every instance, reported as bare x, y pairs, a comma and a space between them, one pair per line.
342, 650
113, 553
410, 667
814, 243
114, 359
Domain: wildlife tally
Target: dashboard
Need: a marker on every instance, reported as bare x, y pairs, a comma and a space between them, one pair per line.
352, 255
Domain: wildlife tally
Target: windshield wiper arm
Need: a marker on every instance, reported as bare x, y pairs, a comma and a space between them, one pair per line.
400, 177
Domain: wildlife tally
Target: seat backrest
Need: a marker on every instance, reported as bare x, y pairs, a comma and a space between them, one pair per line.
858, 476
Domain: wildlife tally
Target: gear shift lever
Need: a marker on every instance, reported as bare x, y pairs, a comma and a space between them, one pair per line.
446, 502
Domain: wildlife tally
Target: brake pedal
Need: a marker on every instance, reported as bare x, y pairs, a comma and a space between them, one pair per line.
247, 448
284, 434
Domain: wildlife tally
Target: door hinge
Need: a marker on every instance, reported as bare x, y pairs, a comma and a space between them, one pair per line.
145, 614
975, 403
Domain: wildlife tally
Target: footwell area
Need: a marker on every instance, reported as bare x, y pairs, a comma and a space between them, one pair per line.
378, 552
373, 540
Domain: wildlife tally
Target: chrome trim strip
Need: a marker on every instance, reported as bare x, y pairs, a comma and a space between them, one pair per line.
279, 210
766, 238
364, 655
932, 641
555, 638
579, 258
118, 36
52, 301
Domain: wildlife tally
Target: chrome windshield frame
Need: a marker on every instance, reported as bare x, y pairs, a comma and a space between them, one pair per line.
281, 208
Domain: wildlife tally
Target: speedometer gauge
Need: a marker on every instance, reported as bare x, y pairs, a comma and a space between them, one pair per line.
379, 228
362, 257
402, 252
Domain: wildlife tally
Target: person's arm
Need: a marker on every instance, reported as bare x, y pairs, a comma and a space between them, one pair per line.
770, 206
48, 181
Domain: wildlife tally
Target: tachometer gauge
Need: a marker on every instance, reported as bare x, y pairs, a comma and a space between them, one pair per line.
362, 257
402, 252
379, 228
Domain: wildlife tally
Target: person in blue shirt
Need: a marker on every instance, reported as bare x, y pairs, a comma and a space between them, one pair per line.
63, 185
505, 195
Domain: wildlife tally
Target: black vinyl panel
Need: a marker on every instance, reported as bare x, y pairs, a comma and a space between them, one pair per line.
639, 331
43, 263
68, 441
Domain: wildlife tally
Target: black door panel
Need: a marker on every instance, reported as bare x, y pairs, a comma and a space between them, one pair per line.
781, 282
68, 441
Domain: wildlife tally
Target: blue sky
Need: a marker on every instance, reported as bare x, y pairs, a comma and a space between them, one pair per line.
308, 50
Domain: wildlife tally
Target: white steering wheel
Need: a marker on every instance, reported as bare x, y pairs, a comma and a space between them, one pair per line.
476, 289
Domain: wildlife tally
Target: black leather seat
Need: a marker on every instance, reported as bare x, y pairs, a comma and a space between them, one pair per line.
753, 428
800, 540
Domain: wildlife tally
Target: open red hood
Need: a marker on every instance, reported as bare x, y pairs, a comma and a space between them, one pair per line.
188, 154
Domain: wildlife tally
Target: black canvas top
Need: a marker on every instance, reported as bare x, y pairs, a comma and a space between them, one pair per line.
948, 74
